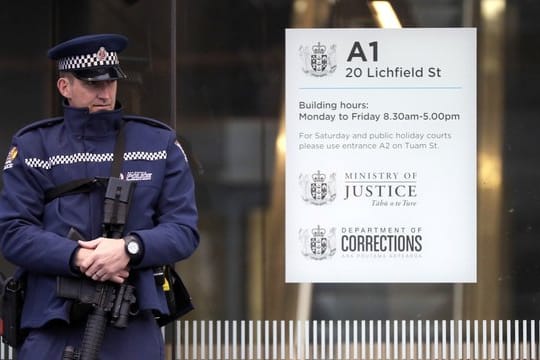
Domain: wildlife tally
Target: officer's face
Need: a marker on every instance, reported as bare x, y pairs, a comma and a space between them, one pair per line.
94, 95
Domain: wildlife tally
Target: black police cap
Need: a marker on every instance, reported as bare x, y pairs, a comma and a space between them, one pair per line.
91, 57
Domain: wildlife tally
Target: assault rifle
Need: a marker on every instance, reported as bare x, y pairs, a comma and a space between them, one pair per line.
109, 302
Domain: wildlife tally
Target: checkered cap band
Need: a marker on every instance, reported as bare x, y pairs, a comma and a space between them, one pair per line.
97, 59
56, 160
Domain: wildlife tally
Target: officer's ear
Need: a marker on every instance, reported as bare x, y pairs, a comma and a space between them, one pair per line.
64, 86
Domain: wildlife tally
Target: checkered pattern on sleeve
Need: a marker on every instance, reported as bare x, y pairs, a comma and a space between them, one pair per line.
87, 61
76, 158
145, 155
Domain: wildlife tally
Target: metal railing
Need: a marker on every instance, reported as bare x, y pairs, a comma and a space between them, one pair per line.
348, 339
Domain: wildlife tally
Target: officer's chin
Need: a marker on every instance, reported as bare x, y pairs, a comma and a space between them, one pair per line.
97, 108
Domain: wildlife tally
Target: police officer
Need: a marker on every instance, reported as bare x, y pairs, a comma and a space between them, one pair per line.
160, 228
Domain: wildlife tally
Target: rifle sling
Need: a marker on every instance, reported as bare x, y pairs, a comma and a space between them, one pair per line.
88, 184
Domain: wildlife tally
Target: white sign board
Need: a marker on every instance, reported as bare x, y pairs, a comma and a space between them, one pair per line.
381, 155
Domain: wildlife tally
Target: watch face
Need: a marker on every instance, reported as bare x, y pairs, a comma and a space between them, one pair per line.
133, 248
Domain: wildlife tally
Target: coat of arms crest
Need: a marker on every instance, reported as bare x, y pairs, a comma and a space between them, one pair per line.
318, 60
318, 189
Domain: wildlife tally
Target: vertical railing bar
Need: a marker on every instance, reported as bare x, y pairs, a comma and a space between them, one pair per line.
403, 340
259, 340
460, 339
211, 340
451, 344
516, 339
501, 340
396, 340
347, 340
331, 340
315, 340
466, 352
195, 338
436, 340
203, 339
493, 339
243, 339
235, 339
411, 339
428, 340
468, 338
282, 336
306, 339
420, 342
484, 340
339, 340
474, 344
443, 340
355, 339
379, 339
186, 339
299, 342
533, 340
226, 339
525, 347
274, 340
251, 340
508, 339
266, 339
387, 340
291, 339
178, 340
219, 340
363, 337
323, 340
371, 336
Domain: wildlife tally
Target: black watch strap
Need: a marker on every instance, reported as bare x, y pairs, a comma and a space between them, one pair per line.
134, 248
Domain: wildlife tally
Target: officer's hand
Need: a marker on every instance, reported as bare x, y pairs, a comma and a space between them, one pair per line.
104, 259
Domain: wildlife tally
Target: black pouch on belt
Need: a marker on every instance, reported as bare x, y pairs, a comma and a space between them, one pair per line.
12, 296
178, 298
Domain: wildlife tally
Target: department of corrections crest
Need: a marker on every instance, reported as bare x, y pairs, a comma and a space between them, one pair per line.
318, 60
317, 188
317, 243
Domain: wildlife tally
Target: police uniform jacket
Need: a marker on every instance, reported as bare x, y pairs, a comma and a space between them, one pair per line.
81, 145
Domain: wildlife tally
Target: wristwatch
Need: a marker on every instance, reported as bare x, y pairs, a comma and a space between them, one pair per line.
133, 248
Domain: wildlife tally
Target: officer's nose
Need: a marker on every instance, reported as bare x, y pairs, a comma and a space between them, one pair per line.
105, 90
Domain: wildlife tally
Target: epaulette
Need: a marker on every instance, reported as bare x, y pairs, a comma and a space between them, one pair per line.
149, 121
40, 124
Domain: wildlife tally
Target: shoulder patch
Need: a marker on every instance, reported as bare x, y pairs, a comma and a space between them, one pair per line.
148, 121
40, 124
12, 154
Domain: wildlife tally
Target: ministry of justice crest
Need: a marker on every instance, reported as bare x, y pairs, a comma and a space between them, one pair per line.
318, 60
318, 243
318, 188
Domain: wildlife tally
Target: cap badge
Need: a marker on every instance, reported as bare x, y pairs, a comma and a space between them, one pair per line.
102, 54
